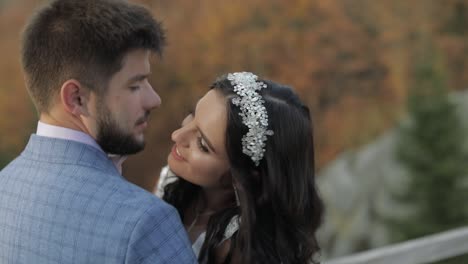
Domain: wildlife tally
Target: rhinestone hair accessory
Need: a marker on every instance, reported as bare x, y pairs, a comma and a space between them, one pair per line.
253, 113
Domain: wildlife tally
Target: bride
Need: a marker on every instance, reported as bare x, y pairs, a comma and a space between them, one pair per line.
241, 174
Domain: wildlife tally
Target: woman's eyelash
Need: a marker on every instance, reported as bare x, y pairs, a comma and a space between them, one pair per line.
201, 146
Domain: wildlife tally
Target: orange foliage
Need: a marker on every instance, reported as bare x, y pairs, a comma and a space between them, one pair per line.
349, 61
17, 112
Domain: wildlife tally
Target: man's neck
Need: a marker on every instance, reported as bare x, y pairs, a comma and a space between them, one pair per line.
59, 120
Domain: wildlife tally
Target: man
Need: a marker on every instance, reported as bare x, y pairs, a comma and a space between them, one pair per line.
63, 200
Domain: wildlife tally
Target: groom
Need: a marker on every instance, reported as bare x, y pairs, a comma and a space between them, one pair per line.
63, 200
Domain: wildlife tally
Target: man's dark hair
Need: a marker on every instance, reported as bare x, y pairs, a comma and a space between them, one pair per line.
84, 40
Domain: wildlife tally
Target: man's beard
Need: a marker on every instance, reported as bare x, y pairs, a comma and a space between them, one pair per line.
112, 139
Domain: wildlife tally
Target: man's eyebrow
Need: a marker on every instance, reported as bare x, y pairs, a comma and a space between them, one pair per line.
138, 77
206, 140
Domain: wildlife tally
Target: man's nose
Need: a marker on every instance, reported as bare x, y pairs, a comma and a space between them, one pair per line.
151, 98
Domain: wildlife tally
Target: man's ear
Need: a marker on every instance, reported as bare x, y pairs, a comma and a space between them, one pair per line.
74, 97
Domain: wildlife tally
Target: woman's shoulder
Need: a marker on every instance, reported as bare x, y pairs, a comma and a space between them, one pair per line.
165, 177
231, 227
224, 246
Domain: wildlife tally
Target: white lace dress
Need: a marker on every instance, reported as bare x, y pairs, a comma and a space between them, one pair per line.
166, 177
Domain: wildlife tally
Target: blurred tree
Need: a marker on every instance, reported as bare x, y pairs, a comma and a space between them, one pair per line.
452, 28
17, 114
457, 23
349, 61
432, 150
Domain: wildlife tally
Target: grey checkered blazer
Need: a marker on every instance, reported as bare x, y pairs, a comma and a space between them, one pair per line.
65, 202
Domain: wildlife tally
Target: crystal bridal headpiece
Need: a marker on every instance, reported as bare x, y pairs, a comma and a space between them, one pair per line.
253, 113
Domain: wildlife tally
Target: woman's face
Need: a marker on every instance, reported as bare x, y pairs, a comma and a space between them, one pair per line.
199, 154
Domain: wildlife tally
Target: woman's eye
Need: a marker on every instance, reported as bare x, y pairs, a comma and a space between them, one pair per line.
202, 145
134, 88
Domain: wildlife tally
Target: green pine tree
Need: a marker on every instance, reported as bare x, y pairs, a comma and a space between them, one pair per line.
431, 148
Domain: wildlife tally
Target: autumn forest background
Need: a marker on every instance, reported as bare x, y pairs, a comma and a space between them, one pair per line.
351, 61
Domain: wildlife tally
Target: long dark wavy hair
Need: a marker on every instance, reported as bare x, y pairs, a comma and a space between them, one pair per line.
280, 209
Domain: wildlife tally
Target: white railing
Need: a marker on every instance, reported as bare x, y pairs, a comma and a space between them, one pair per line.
418, 251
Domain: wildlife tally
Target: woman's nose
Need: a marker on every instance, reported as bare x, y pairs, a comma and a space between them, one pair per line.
180, 136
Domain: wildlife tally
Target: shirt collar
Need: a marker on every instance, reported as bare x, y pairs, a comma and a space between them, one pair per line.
52, 131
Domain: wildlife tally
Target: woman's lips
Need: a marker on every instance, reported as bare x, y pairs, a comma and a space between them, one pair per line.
176, 154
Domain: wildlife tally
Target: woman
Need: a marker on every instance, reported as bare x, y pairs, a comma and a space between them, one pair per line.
245, 186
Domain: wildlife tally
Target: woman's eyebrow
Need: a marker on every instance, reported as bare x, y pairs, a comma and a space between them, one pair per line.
206, 140
201, 132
